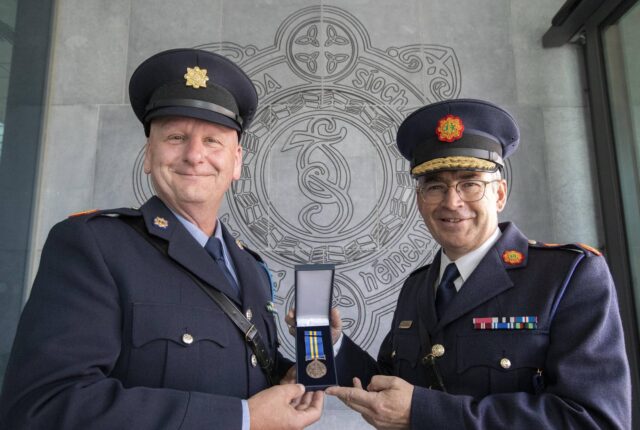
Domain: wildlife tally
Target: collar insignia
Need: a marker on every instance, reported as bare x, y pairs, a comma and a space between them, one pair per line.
240, 244
196, 77
450, 128
160, 222
512, 257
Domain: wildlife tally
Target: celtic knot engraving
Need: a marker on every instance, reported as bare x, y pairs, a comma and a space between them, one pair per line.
309, 60
311, 38
439, 65
334, 37
334, 60
323, 176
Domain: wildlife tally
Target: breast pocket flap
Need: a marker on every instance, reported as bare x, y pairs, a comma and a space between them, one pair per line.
182, 324
502, 350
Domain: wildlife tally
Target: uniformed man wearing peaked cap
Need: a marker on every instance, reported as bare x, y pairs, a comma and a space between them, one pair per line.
499, 331
156, 317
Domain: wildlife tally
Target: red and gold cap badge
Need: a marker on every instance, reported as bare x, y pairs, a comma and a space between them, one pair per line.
450, 128
196, 77
512, 257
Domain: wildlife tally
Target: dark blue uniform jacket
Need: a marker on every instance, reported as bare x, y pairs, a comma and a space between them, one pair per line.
571, 372
115, 335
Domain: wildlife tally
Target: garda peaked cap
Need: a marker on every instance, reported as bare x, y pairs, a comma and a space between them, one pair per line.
193, 83
462, 134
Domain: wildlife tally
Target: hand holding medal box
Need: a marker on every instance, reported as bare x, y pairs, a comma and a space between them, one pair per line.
314, 349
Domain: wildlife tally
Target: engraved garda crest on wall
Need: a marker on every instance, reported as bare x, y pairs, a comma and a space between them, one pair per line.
322, 180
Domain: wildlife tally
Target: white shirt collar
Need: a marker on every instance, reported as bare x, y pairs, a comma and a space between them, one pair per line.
468, 262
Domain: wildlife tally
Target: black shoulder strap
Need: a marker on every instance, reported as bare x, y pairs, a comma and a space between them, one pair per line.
251, 334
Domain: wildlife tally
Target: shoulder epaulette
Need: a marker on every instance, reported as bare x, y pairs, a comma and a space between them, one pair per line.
575, 247
87, 215
418, 270
81, 213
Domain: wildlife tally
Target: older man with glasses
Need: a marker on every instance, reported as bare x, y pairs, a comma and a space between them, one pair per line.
499, 331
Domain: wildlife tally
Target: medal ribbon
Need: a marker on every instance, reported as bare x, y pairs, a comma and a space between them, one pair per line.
313, 345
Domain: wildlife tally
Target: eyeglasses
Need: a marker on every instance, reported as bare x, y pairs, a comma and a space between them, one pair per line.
469, 190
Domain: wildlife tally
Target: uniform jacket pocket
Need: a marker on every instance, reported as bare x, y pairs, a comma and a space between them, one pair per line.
502, 361
176, 346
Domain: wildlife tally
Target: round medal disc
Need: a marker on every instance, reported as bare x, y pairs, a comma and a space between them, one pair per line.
316, 369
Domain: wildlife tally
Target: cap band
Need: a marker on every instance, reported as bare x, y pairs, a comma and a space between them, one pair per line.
198, 104
483, 154
454, 163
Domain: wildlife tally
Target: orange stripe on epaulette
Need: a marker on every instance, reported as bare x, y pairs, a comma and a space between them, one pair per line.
577, 247
90, 211
590, 249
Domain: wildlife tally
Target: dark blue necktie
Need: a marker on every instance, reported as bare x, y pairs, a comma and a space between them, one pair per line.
214, 248
446, 290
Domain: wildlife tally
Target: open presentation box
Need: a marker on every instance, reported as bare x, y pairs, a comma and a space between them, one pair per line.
314, 350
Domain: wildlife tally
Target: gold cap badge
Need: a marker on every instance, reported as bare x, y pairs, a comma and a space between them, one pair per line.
196, 77
160, 222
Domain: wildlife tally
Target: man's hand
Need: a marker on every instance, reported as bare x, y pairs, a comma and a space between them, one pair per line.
386, 404
285, 407
335, 321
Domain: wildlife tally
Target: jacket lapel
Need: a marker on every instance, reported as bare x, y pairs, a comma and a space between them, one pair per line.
491, 277
183, 248
247, 272
426, 296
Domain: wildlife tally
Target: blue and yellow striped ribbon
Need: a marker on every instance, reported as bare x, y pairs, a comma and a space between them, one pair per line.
313, 345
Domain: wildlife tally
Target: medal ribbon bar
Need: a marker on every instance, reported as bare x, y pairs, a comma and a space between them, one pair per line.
313, 345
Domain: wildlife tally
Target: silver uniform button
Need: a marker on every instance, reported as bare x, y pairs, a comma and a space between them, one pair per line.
254, 360
249, 314
187, 339
437, 350
505, 363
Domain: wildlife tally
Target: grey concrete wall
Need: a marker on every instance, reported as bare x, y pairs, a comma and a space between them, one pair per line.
346, 73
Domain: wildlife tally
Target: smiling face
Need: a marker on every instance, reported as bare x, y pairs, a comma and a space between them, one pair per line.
458, 226
192, 163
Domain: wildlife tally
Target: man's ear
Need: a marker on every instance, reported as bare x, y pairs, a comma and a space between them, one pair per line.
146, 165
501, 193
237, 169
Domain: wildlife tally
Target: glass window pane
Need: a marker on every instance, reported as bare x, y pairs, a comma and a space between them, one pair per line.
622, 57
7, 26
24, 49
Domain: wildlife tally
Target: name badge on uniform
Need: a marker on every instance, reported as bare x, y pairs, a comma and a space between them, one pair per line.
506, 323
405, 324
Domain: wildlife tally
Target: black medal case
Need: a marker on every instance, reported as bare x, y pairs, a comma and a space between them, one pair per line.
314, 291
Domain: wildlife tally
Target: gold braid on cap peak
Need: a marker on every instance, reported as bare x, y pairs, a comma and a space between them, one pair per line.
451, 163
